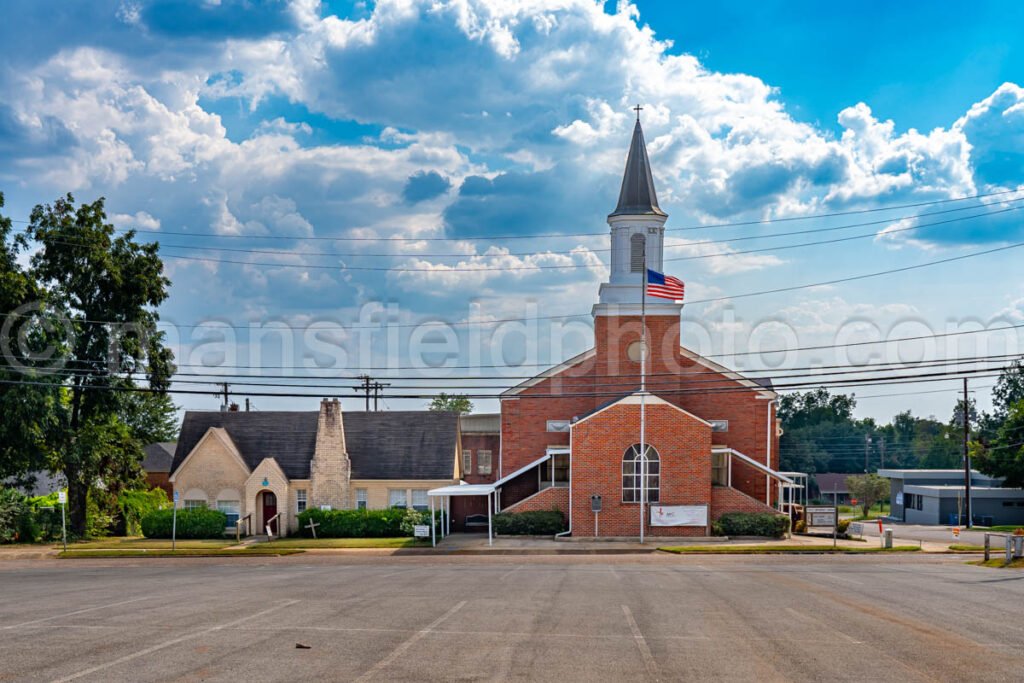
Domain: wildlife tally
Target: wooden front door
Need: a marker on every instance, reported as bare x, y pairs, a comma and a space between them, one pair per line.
269, 510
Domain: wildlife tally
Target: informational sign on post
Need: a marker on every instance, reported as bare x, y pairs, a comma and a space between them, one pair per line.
174, 522
820, 515
421, 530
62, 498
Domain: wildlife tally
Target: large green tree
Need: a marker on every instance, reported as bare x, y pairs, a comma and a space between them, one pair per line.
451, 402
29, 394
1004, 457
108, 287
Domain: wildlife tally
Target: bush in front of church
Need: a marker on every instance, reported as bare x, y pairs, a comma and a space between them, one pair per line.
533, 523
751, 524
195, 523
353, 523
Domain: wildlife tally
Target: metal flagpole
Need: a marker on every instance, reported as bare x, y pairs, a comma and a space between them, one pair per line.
643, 391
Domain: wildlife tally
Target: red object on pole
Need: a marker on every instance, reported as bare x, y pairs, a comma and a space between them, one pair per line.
879, 525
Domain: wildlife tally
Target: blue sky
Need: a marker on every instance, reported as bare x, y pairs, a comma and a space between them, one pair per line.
311, 142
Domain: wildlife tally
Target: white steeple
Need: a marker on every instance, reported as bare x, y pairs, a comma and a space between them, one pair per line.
637, 225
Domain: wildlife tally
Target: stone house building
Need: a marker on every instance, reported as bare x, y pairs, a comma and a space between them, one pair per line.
269, 466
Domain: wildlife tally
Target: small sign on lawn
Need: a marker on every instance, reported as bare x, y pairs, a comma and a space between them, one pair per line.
820, 515
62, 497
421, 531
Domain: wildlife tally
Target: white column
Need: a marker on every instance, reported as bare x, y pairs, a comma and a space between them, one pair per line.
433, 539
490, 533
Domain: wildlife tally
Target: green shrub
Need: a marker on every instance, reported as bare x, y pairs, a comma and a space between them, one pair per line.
356, 523
416, 518
135, 505
197, 523
535, 523
14, 509
751, 524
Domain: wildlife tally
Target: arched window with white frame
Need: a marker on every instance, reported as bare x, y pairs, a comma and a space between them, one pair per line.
639, 471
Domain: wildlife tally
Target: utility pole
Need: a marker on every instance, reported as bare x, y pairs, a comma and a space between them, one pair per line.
377, 386
882, 451
366, 387
867, 449
224, 388
967, 456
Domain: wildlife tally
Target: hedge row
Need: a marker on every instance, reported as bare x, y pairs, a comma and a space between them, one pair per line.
386, 523
751, 524
28, 520
196, 523
534, 523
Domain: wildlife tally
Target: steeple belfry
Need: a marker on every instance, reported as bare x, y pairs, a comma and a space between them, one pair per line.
637, 235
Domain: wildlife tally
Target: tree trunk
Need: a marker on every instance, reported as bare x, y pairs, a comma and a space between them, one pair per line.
77, 493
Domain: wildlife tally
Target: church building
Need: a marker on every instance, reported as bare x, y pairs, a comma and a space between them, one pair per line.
569, 438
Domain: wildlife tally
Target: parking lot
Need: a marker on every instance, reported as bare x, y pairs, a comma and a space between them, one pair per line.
657, 617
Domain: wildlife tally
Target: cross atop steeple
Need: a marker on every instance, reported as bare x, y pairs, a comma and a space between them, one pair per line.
638, 109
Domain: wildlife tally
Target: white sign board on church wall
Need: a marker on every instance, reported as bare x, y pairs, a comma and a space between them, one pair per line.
679, 515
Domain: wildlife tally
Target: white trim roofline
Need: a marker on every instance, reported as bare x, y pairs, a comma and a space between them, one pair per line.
550, 372
731, 374
634, 399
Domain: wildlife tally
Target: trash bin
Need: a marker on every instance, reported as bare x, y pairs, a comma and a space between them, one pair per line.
887, 537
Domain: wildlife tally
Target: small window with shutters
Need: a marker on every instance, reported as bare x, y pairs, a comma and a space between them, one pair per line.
636, 253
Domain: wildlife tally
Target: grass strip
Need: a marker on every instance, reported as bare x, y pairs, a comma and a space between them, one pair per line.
181, 552
313, 544
782, 549
140, 543
1000, 563
969, 548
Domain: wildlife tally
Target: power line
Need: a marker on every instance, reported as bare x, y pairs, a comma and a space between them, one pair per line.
763, 221
676, 245
503, 269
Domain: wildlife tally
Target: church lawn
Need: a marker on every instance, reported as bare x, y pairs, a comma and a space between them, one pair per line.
771, 549
314, 543
141, 543
180, 552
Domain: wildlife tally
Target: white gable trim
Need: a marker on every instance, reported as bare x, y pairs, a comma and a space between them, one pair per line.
650, 399
712, 365
225, 438
264, 464
550, 372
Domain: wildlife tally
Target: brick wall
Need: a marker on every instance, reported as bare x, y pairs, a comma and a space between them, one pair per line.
551, 498
330, 470
599, 442
609, 373
725, 499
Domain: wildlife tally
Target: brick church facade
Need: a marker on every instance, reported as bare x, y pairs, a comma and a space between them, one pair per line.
572, 432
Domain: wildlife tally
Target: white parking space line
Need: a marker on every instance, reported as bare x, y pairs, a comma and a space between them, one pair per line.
641, 643
398, 651
174, 641
65, 615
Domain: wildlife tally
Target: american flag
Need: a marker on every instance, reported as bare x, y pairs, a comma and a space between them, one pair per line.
664, 286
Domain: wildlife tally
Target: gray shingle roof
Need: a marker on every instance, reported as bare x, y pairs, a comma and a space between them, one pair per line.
381, 445
637, 196
157, 456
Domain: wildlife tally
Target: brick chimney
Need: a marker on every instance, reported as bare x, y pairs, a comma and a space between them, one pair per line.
330, 471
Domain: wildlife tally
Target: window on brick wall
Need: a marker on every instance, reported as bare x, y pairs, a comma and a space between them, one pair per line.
419, 500
231, 508
360, 499
719, 468
641, 473
719, 425
483, 462
300, 500
194, 504
397, 499
467, 461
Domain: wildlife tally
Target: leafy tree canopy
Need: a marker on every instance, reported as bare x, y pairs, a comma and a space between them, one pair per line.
452, 402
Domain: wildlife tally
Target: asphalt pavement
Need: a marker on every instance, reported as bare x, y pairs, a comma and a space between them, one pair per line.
555, 618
